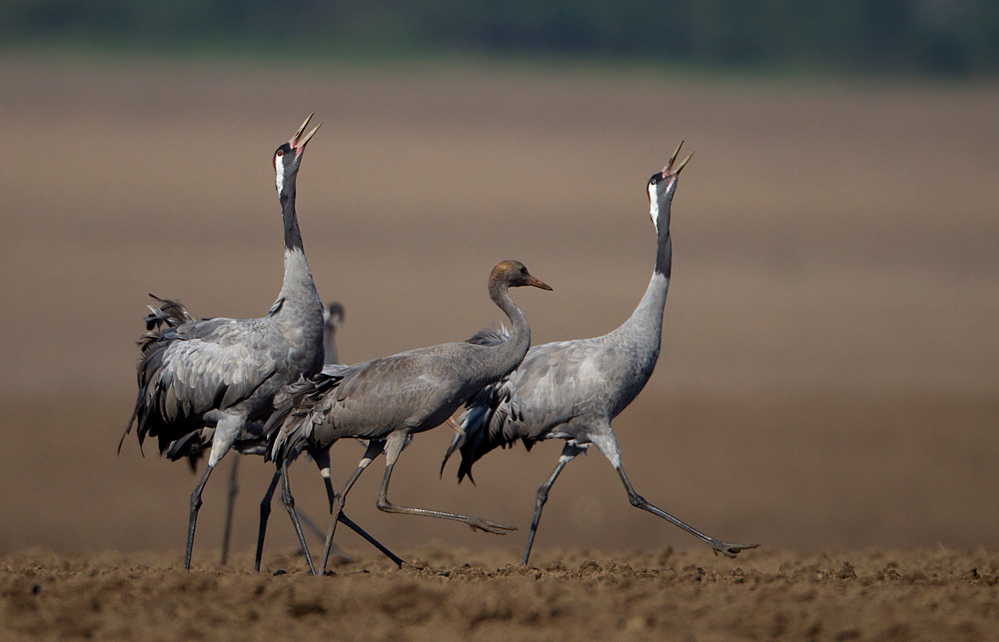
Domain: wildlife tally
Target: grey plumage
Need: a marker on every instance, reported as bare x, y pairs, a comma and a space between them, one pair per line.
212, 382
172, 313
572, 390
333, 318
388, 400
490, 336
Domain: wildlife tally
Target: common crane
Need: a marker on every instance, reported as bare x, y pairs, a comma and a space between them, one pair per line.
172, 313
388, 400
572, 390
212, 382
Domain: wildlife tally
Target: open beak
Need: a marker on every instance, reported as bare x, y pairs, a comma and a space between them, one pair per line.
298, 142
668, 170
683, 163
538, 283
672, 159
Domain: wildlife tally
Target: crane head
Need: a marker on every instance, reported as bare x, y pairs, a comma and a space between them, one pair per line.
333, 315
662, 185
515, 274
289, 155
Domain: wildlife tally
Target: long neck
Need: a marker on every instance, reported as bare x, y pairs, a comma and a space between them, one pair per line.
646, 322
329, 345
512, 351
292, 235
298, 290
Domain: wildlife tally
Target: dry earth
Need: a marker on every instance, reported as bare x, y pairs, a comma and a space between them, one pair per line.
829, 379
464, 595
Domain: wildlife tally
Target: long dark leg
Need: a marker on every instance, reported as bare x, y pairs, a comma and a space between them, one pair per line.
569, 453
312, 527
265, 513
374, 449
725, 548
349, 523
230, 505
396, 442
604, 440
289, 504
322, 459
193, 521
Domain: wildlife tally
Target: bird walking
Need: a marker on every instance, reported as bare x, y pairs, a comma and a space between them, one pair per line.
388, 400
333, 317
213, 382
171, 314
572, 390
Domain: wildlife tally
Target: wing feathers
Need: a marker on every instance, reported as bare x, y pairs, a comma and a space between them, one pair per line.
191, 367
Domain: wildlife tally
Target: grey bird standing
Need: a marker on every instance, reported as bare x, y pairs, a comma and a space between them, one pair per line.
333, 317
388, 400
213, 381
171, 314
572, 390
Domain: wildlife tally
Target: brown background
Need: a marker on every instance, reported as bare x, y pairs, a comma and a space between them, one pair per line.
830, 367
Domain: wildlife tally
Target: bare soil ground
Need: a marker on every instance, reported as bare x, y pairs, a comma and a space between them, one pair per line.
829, 378
465, 595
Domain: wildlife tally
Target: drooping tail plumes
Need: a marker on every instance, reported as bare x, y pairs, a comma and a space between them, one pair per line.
170, 312
487, 424
290, 425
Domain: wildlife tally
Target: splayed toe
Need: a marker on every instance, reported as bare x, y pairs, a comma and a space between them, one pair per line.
732, 550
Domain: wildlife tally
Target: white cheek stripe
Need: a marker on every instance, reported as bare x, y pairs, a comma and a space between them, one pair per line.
654, 207
279, 174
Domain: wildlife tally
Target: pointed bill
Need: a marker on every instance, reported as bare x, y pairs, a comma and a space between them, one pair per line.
308, 137
538, 283
683, 163
298, 142
672, 159
298, 134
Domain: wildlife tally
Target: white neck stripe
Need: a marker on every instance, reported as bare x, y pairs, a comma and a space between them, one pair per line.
654, 213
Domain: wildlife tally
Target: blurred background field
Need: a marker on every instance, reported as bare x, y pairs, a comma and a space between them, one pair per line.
830, 371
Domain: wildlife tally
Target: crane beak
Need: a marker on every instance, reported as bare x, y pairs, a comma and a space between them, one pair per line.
298, 142
538, 283
672, 159
682, 164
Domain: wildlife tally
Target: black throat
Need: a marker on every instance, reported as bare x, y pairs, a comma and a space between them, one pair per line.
292, 235
664, 255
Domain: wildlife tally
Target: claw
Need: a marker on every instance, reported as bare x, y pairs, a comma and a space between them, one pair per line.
731, 550
489, 526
